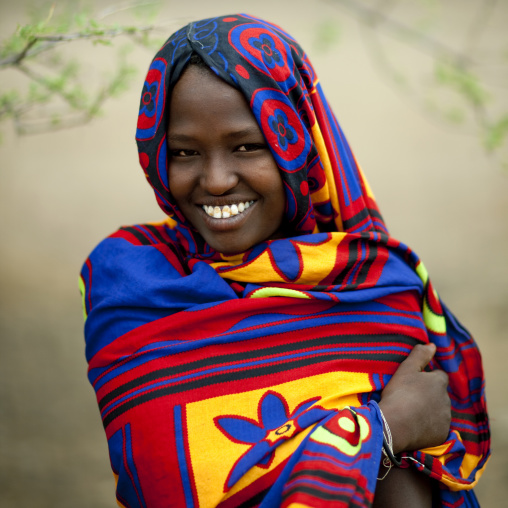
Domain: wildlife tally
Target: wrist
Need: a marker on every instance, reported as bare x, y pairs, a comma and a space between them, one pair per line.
400, 436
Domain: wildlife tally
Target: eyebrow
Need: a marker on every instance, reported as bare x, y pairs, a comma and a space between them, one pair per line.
241, 133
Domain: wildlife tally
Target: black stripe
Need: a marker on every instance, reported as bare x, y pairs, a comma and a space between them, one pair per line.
356, 219
361, 216
428, 462
474, 438
139, 236
468, 417
155, 232
375, 213
325, 475
254, 501
361, 276
352, 259
258, 353
243, 374
312, 491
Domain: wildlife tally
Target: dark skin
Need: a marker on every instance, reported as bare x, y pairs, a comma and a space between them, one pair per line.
403, 488
405, 402
230, 164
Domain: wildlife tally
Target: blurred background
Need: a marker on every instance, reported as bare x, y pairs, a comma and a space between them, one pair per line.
424, 152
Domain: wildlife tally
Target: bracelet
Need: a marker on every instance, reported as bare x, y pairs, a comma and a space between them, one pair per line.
388, 451
389, 459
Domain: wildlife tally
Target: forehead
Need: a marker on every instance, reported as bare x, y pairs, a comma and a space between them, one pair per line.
200, 98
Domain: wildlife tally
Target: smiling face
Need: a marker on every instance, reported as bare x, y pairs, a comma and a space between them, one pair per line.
221, 172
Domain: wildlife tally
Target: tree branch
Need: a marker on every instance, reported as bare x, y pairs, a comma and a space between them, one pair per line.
52, 40
419, 40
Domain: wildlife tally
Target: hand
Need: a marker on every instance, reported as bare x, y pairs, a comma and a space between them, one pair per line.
416, 404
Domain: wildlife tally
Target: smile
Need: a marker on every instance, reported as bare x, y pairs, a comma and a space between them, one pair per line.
226, 211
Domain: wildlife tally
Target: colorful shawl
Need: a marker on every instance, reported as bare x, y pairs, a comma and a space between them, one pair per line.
252, 379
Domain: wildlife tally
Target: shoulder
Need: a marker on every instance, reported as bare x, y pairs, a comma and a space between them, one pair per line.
136, 246
133, 257
130, 278
153, 233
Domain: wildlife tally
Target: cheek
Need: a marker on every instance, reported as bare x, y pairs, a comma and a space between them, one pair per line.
276, 187
179, 185
277, 196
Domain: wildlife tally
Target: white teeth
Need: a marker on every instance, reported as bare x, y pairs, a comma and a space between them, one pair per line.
226, 211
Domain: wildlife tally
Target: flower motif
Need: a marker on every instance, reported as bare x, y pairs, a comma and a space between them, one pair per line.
275, 426
280, 125
271, 55
148, 95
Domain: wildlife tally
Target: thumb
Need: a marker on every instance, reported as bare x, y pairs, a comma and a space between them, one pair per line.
419, 357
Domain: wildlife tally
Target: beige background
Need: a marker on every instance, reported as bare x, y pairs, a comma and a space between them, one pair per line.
61, 193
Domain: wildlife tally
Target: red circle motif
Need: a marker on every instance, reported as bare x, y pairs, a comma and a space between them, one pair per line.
293, 150
279, 73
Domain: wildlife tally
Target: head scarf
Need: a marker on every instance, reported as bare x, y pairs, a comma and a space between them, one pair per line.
324, 186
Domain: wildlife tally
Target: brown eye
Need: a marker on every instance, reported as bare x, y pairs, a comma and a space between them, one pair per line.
182, 153
250, 147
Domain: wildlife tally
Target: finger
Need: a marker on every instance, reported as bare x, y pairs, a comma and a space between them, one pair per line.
419, 357
441, 375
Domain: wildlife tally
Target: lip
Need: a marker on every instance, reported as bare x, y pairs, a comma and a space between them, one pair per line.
229, 224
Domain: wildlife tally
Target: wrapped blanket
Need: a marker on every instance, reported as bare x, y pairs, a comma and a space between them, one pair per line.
252, 379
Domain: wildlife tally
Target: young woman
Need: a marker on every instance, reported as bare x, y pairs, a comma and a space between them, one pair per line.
266, 344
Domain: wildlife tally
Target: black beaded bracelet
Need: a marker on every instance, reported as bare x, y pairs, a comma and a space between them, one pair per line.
389, 453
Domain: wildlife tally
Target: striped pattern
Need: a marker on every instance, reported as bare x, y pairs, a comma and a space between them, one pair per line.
212, 383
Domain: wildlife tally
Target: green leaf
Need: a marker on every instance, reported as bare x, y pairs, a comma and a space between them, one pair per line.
455, 115
496, 134
104, 42
327, 34
36, 94
463, 81
55, 120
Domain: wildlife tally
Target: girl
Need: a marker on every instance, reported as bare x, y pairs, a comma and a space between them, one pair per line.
266, 344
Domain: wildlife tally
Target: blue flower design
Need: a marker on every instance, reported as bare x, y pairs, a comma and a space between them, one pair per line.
148, 96
275, 426
280, 125
271, 55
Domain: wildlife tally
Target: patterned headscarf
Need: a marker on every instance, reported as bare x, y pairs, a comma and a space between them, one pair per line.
324, 186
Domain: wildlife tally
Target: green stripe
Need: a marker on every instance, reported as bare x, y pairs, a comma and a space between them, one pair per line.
422, 272
83, 293
266, 292
434, 322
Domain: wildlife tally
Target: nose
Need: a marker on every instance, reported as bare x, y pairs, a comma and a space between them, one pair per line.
219, 176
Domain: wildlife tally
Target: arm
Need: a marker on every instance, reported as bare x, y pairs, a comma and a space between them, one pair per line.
403, 488
417, 408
